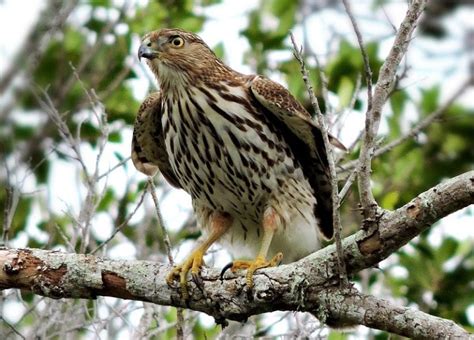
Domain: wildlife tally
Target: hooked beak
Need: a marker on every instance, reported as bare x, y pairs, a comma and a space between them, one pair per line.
146, 52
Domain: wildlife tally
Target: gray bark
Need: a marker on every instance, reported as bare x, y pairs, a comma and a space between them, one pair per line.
310, 284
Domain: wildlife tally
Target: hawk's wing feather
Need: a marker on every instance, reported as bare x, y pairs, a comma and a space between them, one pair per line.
148, 144
306, 143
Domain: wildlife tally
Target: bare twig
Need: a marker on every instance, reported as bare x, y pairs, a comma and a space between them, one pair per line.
116, 166
417, 128
425, 122
347, 186
12, 197
50, 21
12, 328
123, 224
382, 89
47, 105
92, 197
365, 57
322, 124
179, 312
151, 188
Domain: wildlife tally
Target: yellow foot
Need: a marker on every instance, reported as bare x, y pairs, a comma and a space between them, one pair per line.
252, 266
194, 263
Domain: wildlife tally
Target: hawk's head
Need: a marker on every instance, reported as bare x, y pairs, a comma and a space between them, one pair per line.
174, 53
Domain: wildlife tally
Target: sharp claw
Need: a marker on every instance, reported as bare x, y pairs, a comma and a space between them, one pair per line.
226, 268
198, 281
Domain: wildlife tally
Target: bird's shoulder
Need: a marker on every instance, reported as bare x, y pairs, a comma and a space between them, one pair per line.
281, 103
149, 153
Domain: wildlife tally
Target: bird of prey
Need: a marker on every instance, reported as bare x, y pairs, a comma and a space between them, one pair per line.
246, 151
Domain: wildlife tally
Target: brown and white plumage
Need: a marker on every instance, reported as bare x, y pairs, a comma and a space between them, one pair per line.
246, 151
148, 143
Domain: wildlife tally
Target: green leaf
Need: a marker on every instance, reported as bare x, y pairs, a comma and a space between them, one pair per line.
390, 200
99, 3
192, 24
219, 50
115, 137
430, 99
345, 91
23, 132
397, 102
447, 249
107, 200
335, 335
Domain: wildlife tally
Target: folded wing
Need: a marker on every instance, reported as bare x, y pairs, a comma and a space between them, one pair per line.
148, 144
305, 140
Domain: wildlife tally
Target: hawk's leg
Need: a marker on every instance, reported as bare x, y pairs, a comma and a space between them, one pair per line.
219, 224
271, 222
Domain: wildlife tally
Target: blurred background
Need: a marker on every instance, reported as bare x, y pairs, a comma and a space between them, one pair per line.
71, 84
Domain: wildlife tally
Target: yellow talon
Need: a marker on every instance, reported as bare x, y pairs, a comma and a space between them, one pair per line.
220, 223
252, 266
193, 262
271, 222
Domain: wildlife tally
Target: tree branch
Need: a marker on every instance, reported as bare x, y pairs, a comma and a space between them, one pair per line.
417, 128
382, 89
365, 57
307, 285
330, 156
357, 308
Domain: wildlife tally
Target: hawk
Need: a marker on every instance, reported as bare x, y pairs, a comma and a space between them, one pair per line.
246, 151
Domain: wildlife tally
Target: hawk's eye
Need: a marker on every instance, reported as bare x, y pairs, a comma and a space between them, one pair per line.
177, 42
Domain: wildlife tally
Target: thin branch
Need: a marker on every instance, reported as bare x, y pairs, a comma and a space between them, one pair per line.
116, 166
345, 189
310, 284
51, 20
12, 328
382, 89
92, 197
425, 122
332, 169
123, 224
417, 128
166, 240
365, 57
12, 197
151, 188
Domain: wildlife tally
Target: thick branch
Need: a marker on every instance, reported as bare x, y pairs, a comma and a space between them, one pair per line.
377, 313
304, 285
